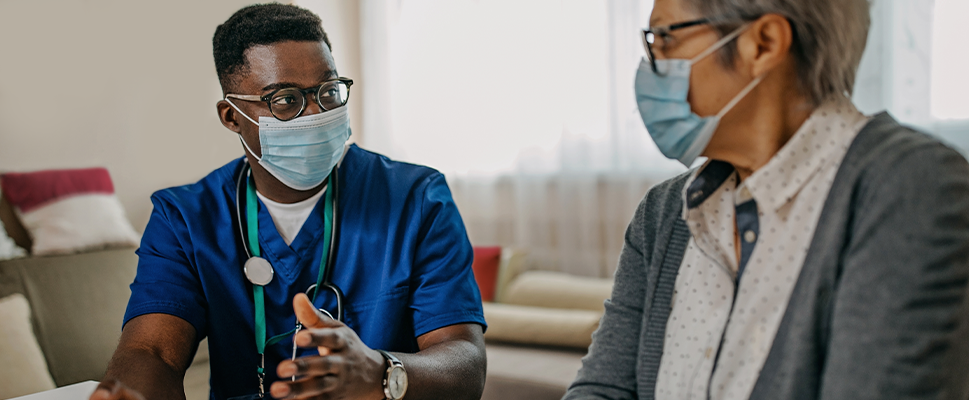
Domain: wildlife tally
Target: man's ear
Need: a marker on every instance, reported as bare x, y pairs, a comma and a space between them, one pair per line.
228, 116
766, 44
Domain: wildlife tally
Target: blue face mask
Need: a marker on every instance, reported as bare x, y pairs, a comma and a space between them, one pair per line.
679, 133
301, 152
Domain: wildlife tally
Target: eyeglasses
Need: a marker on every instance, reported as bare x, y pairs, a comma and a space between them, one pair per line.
662, 33
289, 103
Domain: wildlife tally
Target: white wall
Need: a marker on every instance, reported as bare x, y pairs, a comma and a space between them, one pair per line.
341, 21
128, 85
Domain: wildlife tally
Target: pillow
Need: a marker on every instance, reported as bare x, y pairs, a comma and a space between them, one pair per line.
23, 369
485, 266
9, 248
558, 290
513, 263
539, 325
69, 211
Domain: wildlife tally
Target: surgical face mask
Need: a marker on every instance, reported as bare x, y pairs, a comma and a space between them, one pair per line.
301, 152
679, 133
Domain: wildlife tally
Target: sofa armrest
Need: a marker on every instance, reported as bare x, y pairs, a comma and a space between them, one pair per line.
78, 303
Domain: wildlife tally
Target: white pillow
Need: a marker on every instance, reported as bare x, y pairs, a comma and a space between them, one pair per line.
23, 369
78, 223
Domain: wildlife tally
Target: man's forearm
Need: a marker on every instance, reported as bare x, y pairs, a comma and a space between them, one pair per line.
149, 374
450, 370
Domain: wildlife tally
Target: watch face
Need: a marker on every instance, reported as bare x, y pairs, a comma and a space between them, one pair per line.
397, 382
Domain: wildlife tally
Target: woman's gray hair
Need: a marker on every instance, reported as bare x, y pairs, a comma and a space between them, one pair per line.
829, 37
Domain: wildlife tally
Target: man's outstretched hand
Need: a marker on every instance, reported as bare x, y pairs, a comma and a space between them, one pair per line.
345, 369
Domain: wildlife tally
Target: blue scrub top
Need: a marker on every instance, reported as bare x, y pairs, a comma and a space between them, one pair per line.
403, 263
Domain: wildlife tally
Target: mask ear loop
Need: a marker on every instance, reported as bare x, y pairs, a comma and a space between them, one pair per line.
720, 43
240, 111
240, 135
247, 148
716, 46
740, 96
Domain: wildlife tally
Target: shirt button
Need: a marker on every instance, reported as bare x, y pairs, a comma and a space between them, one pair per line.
709, 352
750, 236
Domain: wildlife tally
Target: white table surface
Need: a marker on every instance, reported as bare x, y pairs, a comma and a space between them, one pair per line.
77, 391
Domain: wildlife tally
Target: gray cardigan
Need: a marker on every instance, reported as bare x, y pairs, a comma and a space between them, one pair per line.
879, 311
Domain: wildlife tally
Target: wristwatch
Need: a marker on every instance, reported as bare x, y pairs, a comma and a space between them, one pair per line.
395, 379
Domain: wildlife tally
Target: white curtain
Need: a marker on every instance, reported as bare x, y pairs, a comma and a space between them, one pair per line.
528, 108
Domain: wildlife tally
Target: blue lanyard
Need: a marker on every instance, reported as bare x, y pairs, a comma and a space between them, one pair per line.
258, 295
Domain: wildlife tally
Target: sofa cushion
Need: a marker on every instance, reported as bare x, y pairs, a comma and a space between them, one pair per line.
542, 326
78, 303
558, 290
23, 369
513, 263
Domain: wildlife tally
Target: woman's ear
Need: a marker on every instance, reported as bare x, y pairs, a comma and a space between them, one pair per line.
765, 45
228, 116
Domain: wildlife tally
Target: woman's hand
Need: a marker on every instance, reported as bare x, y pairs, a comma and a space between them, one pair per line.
345, 369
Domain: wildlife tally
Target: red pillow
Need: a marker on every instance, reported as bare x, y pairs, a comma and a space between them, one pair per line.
485, 266
68, 211
31, 190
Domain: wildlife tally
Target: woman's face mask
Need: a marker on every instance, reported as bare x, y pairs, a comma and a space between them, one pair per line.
679, 133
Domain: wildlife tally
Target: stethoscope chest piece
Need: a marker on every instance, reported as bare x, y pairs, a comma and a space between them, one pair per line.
259, 271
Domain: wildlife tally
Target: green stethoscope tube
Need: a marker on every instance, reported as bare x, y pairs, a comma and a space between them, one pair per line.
258, 294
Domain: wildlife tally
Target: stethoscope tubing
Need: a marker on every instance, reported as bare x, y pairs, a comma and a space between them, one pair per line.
243, 174
334, 233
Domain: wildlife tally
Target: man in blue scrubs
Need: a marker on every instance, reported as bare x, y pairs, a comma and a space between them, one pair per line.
400, 254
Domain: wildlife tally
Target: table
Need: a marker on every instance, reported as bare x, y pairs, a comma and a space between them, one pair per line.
77, 391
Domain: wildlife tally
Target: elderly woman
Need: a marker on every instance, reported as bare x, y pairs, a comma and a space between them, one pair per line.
818, 254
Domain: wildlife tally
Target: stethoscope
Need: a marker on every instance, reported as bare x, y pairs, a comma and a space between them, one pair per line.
260, 272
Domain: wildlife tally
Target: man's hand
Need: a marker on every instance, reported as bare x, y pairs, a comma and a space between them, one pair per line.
346, 368
111, 389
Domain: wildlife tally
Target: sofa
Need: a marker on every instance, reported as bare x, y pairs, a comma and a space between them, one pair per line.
77, 303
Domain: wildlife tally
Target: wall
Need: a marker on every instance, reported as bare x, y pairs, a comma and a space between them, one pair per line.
129, 85
341, 21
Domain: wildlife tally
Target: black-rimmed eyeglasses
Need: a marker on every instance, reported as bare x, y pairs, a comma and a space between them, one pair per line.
289, 103
663, 33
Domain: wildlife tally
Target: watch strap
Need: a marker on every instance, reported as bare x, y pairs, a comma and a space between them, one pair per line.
391, 359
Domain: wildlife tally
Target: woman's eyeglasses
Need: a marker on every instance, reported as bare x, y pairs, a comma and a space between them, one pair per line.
661, 35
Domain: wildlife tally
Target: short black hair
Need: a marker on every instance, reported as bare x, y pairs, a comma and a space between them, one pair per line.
260, 24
